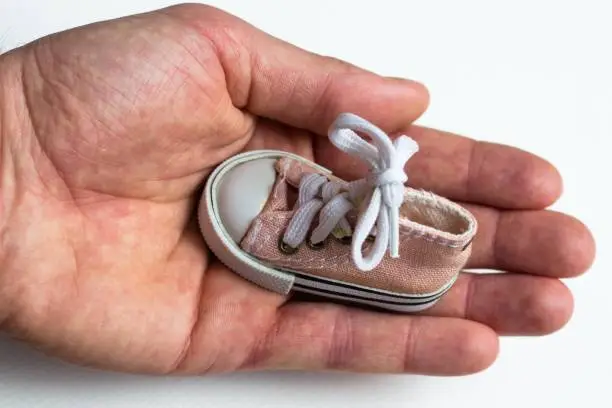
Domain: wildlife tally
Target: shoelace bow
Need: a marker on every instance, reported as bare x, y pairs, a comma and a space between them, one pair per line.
379, 195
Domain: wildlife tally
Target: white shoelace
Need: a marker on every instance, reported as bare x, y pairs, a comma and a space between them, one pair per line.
382, 193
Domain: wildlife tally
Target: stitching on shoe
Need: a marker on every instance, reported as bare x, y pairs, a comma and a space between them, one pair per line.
315, 263
413, 233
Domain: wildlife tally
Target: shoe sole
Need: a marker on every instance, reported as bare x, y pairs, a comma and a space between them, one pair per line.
284, 281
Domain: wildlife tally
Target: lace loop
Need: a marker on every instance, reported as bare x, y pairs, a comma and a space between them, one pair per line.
381, 193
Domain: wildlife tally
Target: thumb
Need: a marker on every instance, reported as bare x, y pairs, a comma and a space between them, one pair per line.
273, 79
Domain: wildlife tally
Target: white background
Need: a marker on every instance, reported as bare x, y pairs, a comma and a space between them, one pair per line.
535, 74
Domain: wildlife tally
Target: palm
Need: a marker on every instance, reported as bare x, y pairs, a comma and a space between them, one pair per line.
131, 176
128, 118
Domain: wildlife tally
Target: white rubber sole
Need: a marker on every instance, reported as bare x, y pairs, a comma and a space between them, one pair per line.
285, 281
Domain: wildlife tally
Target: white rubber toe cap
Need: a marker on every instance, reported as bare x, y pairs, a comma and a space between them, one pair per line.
242, 193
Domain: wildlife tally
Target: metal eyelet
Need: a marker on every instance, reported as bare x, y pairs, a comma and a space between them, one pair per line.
317, 246
284, 248
345, 240
348, 239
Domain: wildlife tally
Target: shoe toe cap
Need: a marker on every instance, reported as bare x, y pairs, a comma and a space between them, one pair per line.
242, 193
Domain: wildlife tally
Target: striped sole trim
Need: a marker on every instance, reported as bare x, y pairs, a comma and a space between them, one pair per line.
322, 287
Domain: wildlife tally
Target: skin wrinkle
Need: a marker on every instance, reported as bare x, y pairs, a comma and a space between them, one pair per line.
140, 93
197, 310
319, 106
66, 95
241, 100
469, 291
7, 187
262, 348
292, 84
411, 336
66, 199
241, 86
97, 162
8, 167
75, 275
496, 239
481, 256
217, 112
54, 184
341, 350
181, 360
213, 35
256, 71
471, 169
178, 71
255, 63
178, 68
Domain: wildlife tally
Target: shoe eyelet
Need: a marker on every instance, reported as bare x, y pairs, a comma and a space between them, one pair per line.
345, 240
285, 248
317, 246
348, 239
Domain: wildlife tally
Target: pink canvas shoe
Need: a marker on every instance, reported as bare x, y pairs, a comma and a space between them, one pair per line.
285, 223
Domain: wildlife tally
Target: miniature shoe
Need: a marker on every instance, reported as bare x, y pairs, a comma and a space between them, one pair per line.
286, 223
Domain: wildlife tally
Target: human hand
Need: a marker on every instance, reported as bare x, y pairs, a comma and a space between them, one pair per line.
107, 132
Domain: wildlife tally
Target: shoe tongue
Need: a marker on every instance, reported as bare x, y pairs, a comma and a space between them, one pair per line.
293, 170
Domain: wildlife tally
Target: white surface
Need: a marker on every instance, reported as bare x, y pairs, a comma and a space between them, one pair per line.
243, 192
535, 74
